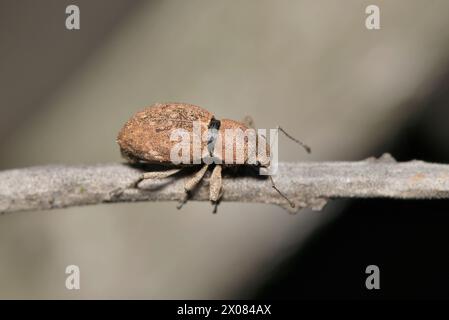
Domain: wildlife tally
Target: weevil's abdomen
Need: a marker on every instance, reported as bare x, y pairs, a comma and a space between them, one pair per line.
146, 136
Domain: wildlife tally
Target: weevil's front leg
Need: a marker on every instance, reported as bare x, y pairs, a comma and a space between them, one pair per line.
160, 174
216, 183
192, 183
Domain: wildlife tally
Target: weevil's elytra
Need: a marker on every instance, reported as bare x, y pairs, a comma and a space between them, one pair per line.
146, 138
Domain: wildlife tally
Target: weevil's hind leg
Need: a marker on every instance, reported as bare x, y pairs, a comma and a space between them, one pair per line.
160, 174
249, 122
157, 175
215, 189
302, 144
191, 184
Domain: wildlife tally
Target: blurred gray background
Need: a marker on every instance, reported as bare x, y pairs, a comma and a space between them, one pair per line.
310, 66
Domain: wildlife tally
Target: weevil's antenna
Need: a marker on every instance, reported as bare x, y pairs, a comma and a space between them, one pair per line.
282, 195
302, 144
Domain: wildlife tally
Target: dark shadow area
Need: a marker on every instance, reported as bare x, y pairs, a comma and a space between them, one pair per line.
407, 240
231, 172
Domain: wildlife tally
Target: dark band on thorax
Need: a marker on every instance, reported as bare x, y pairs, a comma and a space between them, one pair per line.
214, 126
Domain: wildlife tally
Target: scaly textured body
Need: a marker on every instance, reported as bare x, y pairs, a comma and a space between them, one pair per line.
146, 136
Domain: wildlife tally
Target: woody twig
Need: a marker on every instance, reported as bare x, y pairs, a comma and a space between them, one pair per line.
308, 184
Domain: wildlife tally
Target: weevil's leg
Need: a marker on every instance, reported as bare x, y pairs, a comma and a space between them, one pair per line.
160, 174
156, 175
218, 202
249, 122
197, 177
302, 144
215, 184
216, 187
191, 184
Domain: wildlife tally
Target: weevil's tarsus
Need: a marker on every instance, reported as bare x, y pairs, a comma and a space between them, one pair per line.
273, 185
302, 144
183, 200
216, 203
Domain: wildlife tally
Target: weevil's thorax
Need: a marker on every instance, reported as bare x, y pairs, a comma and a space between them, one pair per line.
243, 142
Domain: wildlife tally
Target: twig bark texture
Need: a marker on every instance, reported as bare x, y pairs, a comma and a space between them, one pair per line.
307, 184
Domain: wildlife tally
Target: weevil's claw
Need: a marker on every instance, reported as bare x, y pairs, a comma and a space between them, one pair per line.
182, 201
180, 204
215, 203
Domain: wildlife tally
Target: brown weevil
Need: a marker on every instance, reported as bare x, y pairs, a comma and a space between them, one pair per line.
148, 138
